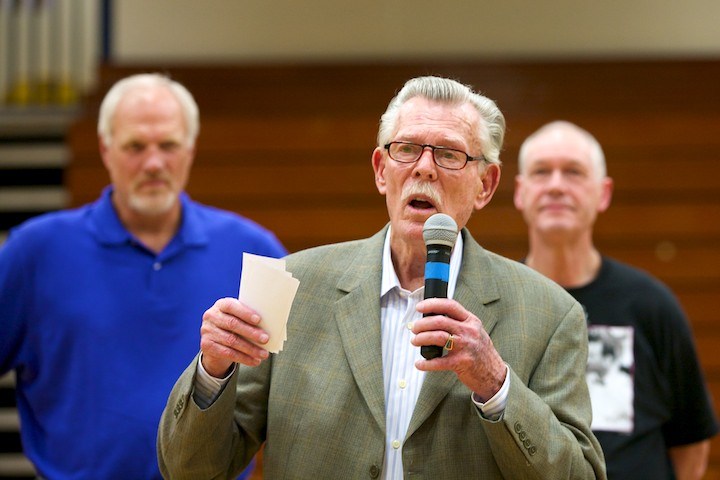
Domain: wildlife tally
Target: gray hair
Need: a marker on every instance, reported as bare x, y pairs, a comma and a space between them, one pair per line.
147, 81
597, 157
491, 129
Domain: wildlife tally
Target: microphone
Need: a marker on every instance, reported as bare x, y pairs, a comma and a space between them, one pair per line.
440, 233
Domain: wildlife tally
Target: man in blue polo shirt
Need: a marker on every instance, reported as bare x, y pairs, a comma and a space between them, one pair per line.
100, 306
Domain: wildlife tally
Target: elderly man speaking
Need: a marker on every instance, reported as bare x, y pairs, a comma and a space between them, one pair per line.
351, 396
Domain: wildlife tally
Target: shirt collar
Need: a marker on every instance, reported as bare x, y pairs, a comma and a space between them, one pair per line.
389, 276
107, 227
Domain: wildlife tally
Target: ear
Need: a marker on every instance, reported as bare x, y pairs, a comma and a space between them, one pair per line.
517, 194
103, 152
605, 194
490, 179
378, 163
191, 152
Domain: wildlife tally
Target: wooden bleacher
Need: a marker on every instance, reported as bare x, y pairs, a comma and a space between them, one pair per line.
289, 146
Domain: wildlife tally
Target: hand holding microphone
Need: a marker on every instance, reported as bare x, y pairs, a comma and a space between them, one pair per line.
440, 233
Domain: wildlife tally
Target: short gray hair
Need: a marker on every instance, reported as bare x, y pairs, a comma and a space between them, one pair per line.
148, 80
491, 131
597, 157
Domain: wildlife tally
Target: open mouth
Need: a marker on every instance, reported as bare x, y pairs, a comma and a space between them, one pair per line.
422, 198
421, 204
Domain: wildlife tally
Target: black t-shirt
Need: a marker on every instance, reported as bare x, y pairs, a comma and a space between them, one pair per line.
647, 388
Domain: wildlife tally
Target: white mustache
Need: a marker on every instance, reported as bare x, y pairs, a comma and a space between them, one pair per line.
422, 189
153, 177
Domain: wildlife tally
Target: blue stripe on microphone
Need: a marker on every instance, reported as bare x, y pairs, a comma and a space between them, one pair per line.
437, 271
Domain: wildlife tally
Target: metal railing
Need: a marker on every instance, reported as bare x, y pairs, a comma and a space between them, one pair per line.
49, 51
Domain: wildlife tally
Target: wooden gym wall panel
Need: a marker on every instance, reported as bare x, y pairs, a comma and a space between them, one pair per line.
289, 146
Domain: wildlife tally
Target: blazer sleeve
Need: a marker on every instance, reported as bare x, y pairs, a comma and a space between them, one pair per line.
548, 414
194, 443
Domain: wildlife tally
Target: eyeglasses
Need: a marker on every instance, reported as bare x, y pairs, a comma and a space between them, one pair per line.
406, 152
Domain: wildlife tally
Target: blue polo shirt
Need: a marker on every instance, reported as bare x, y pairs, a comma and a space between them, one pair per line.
99, 328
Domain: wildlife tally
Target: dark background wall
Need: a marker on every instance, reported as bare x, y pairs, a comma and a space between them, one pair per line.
289, 146
290, 94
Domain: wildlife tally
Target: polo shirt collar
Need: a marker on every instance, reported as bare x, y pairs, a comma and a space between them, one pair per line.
105, 223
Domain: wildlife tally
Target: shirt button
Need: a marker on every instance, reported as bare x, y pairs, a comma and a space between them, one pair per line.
409, 325
157, 266
402, 384
396, 444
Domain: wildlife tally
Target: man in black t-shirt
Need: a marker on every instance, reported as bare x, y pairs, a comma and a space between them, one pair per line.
651, 409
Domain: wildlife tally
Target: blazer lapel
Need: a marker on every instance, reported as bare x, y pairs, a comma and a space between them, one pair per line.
358, 320
477, 282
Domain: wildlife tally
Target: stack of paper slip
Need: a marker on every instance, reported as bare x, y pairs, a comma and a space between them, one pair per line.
267, 288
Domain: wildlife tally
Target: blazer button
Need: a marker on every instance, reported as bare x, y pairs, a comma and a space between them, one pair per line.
518, 427
374, 471
532, 450
178, 407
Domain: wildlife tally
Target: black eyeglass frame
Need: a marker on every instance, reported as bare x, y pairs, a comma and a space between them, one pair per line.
468, 158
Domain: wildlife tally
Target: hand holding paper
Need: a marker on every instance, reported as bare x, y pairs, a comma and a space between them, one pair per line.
269, 289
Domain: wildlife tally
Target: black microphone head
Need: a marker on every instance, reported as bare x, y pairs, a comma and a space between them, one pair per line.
440, 229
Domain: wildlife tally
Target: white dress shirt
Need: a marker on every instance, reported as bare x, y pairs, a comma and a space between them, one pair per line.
402, 380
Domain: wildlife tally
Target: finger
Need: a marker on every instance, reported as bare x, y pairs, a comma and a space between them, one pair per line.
230, 346
442, 306
431, 337
439, 322
236, 308
233, 316
232, 332
227, 335
242, 352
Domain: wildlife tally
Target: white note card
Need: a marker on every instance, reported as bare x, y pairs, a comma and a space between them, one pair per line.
267, 288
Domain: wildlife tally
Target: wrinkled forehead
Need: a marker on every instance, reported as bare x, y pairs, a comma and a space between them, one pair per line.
146, 109
454, 122
149, 100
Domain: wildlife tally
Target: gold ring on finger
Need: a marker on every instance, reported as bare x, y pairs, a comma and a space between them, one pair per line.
450, 342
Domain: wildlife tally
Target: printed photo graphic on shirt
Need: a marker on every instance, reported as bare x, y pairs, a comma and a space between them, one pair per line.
611, 363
